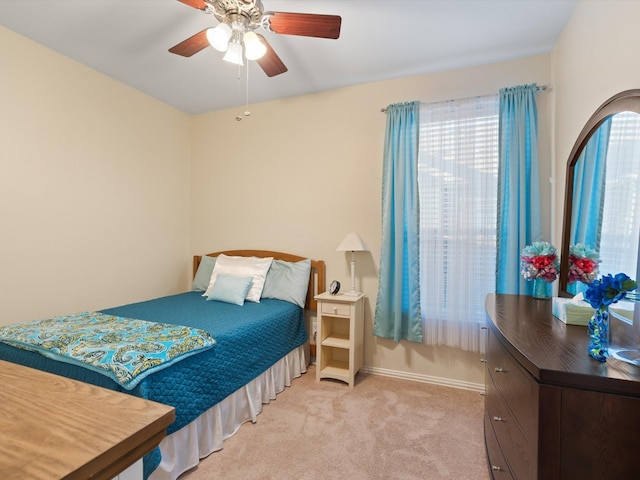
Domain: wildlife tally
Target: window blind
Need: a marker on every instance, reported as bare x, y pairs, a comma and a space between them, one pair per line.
457, 179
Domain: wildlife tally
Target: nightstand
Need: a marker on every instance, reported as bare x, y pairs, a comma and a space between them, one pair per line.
340, 336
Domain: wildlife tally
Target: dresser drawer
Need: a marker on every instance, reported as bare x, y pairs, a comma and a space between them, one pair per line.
335, 308
519, 452
497, 464
517, 387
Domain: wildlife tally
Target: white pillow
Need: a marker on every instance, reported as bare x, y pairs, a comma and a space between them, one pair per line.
242, 267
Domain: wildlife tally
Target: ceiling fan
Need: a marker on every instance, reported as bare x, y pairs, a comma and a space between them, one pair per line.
235, 34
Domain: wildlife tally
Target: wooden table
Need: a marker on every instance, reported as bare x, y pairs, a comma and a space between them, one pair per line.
52, 427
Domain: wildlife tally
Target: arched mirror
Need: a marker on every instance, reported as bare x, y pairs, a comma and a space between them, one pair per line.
602, 190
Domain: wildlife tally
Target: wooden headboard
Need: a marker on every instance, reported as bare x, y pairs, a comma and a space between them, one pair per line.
317, 282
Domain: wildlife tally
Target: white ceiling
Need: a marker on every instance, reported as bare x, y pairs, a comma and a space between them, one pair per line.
380, 39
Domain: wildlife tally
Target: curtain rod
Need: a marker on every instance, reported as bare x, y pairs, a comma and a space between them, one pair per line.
540, 89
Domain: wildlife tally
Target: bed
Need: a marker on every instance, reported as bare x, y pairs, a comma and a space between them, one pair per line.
258, 347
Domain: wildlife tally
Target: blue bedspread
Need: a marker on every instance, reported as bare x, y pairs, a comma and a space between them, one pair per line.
249, 339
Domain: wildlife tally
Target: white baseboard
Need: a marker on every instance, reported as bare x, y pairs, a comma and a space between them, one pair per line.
445, 382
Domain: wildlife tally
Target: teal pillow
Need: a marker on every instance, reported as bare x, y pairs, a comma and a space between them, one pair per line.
203, 275
230, 289
288, 281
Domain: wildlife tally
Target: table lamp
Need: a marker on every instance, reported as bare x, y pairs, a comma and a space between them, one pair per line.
353, 243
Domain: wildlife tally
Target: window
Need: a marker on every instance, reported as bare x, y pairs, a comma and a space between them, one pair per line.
457, 179
621, 212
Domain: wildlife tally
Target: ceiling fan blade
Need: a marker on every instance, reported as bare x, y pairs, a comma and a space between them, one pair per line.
199, 4
305, 24
270, 62
191, 45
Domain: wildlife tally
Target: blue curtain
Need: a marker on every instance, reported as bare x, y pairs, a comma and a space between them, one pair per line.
588, 189
397, 312
518, 186
588, 193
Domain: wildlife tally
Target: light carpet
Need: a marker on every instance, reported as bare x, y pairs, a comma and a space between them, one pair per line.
384, 428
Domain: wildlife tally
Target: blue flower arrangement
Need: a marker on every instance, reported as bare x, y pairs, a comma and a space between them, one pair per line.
600, 294
609, 289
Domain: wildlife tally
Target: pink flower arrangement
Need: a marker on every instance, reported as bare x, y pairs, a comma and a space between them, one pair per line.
540, 260
583, 264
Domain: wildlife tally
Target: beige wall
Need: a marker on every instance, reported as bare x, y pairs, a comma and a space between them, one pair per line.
94, 188
595, 57
300, 173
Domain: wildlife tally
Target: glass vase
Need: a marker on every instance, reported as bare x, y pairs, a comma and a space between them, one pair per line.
541, 289
624, 332
599, 332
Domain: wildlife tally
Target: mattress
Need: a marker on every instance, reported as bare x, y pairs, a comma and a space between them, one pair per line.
249, 339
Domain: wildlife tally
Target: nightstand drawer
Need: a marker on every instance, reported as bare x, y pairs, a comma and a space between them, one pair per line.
335, 308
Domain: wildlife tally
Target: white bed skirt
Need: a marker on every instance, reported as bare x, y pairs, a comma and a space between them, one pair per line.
182, 450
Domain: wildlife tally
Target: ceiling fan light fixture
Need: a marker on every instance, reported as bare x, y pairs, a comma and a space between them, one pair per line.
253, 47
240, 17
219, 37
234, 54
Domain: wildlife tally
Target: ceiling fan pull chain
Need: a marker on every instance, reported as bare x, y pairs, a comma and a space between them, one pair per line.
247, 113
239, 85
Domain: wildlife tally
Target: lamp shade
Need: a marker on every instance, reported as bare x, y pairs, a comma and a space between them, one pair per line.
234, 54
253, 47
352, 243
219, 37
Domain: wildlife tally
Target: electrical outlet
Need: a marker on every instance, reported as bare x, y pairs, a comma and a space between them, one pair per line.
314, 332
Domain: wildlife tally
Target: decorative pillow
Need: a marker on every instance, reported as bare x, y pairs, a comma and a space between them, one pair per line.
230, 289
203, 275
288, 281
242, 267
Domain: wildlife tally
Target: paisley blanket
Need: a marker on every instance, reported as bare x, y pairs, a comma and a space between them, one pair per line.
124, 349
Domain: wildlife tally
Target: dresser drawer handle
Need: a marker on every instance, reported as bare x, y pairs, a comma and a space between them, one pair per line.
500, 370
496, 468
498, 419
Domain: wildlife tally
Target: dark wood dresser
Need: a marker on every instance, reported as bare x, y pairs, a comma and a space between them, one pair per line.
551, 411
